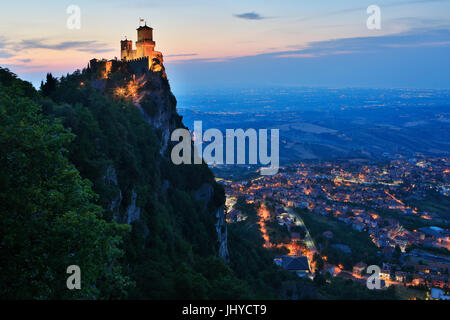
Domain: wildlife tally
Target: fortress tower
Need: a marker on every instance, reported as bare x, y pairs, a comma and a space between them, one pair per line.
145, 46
126, 49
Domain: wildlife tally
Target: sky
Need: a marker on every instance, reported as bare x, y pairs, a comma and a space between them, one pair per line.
245, 43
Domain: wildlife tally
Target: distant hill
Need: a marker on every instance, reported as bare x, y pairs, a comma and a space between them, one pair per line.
329, 124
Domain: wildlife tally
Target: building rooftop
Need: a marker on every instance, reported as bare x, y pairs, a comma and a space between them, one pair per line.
144, 27
295, 263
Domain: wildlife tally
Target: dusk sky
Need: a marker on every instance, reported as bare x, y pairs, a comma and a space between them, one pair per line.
240, 43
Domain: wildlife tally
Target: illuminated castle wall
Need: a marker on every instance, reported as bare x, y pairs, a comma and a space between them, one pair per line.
145, 47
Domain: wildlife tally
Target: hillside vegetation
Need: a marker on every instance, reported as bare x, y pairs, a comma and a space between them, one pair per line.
84, 181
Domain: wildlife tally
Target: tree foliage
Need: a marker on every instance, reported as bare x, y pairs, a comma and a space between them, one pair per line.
48, 219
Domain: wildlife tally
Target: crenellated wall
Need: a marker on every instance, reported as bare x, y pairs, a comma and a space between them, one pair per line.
139, 65
154, 62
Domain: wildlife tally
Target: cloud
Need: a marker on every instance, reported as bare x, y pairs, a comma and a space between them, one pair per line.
199, 60
420, 44
181, 55
412, 59
21, 67
91, 46
424, 37
5, 48
5, 54
313, 55
249, 16
363, 9
394, 4
417, 38
297, 55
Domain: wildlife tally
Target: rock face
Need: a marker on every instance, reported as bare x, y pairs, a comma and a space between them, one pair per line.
150, 91
158, 105
133, 212
145, 82
205, 193
222, 234
111, 180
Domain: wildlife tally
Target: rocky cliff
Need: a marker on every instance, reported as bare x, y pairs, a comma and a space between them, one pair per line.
149, 91
149, 229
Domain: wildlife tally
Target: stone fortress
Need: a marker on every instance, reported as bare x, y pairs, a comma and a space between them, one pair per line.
140, 60
145, 48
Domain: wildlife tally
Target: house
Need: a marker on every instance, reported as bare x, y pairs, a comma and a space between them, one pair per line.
235, 216
359, 268
435, 232
438, 283
401, 242
438, 294
400, 276
297, 264
418, 280
331, 269
385, 274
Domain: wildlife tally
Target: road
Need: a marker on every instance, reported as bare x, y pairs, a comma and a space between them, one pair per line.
309, 242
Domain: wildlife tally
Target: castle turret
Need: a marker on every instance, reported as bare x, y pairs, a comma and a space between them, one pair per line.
145, 33
126, 48
145, 44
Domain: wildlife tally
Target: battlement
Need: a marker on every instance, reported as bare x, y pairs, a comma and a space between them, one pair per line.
153, 62
139, 65
139, 59
103, 67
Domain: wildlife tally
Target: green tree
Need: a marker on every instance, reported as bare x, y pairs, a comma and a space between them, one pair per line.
49, 86
319, 262
47, 218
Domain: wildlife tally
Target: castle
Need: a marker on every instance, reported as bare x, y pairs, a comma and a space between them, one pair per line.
141, 60
145, 47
